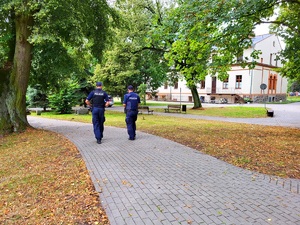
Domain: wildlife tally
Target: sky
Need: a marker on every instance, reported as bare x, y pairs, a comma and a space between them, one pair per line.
262, 29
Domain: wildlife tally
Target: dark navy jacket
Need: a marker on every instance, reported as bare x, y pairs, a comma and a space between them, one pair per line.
98, 97
132, 101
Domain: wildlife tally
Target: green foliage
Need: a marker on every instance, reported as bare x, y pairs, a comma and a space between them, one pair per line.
225, 28
65, 35
131, 59
142, 91
246, 99
58, 39
294, 85
35, 97
286, 25
63, 101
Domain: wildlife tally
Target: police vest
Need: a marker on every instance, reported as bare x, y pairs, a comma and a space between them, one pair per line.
98, 98
132, 101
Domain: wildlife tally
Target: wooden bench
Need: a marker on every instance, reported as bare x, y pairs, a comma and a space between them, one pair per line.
145, 109
176, 108
82, 111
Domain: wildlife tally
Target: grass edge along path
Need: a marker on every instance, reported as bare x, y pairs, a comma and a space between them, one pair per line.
44, 180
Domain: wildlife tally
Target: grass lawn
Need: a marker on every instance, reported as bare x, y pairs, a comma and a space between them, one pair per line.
293, 98
228, 111
44, 179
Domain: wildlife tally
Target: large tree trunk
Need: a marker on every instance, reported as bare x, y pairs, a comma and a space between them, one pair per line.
14, 80
197, 102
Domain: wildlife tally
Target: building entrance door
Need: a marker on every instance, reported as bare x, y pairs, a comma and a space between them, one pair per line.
213, 85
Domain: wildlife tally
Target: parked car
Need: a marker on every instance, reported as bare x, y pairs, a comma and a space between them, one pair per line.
291, 94
110, 101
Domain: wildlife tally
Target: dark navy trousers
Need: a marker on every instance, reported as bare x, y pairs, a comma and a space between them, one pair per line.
98, 122
131, 117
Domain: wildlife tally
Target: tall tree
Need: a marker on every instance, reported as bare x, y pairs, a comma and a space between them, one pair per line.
286, 25
131, 60
228, 26
210, 35
32, 29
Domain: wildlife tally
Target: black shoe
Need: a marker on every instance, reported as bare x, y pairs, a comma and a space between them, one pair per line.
131, 139
99, 141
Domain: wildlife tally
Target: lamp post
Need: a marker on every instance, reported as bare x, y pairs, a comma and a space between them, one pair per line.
263, 88
180, 96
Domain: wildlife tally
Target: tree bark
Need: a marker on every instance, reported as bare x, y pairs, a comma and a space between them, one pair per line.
14, 80
196, 98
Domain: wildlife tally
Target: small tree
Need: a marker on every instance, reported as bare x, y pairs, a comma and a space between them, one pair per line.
142, 90
36, 97
294, 85
67, 97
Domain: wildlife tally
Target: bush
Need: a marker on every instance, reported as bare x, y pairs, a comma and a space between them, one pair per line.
63, 101
248, 100
36, 97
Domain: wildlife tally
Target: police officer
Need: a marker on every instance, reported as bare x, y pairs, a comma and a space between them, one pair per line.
98, 99
131, 103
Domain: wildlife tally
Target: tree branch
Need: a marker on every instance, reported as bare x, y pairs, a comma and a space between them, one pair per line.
150, 48
282, 23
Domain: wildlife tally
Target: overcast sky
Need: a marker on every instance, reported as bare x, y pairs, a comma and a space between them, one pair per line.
262, 29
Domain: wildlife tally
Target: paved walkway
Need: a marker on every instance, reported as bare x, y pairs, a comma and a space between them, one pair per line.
156, 181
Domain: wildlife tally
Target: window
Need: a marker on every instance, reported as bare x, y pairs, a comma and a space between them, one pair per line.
202, 84
225, 84
272, 82
273, 43
238, 82
176, 84
166, 85
271, 58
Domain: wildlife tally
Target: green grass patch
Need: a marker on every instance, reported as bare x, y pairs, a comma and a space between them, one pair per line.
293, 99
235, 112
228, 111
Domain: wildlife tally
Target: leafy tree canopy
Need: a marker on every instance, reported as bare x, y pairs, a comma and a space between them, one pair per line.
131, 59
52, 40
65, 35
226, 27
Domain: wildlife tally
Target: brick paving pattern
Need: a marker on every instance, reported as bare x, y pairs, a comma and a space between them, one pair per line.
156, 181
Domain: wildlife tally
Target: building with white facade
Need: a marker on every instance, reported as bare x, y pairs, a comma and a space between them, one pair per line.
242, 83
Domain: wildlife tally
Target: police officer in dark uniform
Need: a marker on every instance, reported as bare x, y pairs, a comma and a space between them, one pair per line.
98, 100
131, 103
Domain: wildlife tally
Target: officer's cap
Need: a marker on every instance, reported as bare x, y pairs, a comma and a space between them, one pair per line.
130, 87
99, 84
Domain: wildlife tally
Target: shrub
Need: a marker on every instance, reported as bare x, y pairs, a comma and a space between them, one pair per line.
63, 101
